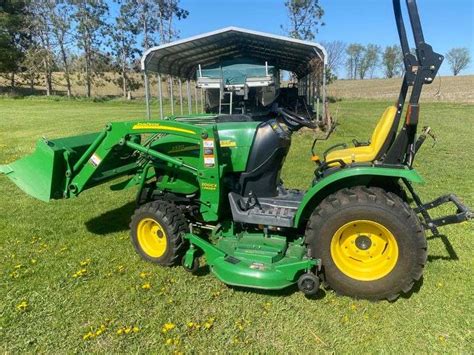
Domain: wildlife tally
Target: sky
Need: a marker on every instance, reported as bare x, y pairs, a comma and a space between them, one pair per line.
446, 23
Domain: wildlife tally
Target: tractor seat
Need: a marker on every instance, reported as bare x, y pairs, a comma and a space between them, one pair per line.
367, 153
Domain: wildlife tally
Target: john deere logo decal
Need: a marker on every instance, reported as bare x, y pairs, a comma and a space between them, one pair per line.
160, 127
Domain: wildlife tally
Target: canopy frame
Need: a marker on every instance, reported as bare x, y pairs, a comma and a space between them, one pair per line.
182, 58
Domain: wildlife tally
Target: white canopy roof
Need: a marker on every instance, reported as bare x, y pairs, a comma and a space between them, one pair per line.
181, 58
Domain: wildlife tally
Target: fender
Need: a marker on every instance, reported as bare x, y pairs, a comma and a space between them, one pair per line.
346, 177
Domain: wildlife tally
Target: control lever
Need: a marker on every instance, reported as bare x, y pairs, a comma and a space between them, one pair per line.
427, 131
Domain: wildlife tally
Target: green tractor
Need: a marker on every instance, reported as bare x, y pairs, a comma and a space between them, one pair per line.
209, 184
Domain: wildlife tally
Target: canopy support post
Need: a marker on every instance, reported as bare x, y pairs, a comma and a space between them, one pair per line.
160, 96
202, 101
147, 96
170, 83
180, 96
196, 103
190, 107
325, 119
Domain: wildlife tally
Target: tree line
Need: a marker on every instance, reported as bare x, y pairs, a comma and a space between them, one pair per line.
363, 61
87, 38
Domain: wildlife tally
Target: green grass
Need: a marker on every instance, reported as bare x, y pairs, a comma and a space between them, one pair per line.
42, 246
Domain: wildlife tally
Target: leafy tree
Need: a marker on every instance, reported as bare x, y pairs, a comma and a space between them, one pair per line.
336, 54
392, 61
41, 28
167, 11
90, 19
458, 59
369, 60
14, 40
123, 44
61, 20
355, 53
304, 17
156, 17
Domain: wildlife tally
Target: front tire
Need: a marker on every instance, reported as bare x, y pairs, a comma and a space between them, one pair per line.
370, 242
157, 232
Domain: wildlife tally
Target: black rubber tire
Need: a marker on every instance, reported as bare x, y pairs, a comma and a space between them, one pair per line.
385, 208
195, 266
308, 283
174, 223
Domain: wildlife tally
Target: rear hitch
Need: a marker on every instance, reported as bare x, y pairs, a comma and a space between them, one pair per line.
462, 214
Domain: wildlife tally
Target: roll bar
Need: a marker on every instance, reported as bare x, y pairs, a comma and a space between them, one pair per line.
421, 68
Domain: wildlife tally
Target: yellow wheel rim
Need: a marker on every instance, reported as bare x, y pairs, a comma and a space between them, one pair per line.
152, 237
364, 250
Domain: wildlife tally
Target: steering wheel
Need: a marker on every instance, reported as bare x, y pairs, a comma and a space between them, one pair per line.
294, 120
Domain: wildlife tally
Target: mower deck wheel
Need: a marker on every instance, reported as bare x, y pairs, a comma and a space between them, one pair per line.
308, 283
194, 268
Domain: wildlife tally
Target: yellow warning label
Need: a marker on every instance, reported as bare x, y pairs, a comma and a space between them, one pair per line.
208, 186
228, 143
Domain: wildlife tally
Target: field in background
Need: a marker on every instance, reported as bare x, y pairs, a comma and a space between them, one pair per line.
443, 89
44, 308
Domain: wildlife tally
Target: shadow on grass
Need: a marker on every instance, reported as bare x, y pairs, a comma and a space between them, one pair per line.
113, 221
288, 291
452, 255
415, 289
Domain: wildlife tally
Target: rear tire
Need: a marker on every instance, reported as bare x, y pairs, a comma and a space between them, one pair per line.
370, 242
157, 232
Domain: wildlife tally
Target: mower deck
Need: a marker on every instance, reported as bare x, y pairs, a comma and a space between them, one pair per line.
249, 260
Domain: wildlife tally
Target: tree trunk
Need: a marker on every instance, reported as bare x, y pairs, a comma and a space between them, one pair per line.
66, 71
124, 82
88, 76
46, 77
12, 80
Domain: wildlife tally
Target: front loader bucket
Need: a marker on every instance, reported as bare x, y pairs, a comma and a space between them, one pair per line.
42, 174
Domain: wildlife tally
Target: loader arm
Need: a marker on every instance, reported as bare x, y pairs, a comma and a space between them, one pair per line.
65, 167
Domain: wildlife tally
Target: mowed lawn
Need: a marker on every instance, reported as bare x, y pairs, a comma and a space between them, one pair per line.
71, 281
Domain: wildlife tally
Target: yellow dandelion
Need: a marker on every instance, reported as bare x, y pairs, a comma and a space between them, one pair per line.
33, 261
22, 306
146, 286
353, 307
80, 273
135, 329
144, 274
167, 327
85, 262
169, 341
120, 331
120, 268
208, 325
88, 335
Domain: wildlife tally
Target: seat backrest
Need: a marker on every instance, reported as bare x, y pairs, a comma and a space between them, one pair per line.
382, 130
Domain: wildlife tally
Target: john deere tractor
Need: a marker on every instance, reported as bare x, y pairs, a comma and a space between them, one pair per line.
209, 185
